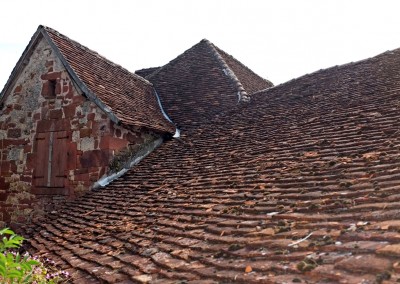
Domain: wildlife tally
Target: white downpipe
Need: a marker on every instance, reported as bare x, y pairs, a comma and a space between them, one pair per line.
177, 133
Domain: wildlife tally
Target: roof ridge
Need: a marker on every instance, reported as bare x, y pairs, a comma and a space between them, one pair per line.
339, 66
242, 94
95, 53
161, 68
239, 62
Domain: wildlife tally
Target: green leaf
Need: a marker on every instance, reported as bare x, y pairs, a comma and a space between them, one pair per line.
9, 257
2, 271
7, 231
17, 258
27, 279
32, 262
17, 238
25, 267
14, 273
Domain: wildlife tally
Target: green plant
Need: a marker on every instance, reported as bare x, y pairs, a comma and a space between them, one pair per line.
17, 268
13, 267
13, 241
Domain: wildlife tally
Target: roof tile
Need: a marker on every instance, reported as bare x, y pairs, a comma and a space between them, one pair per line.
296, 185
199, 84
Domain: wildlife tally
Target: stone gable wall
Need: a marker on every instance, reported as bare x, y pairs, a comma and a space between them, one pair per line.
92, 139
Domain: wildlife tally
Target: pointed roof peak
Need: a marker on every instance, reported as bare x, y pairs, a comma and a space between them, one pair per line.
243, 78
246, 81
202, 82
205, 40
243, 96
126, 97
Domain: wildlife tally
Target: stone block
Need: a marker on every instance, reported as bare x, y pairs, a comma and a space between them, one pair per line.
30, 160
36, 116
53, 125
95, 158
55, 114
70, 93
51, 76
5, 167
26, 178
3, 184
86, 144
28, 148
3, 195
69, 110
14, 133
58, 88
85, 132
14, 154
49, 63
18, 89
13, 167
13, 142
81, 171
112, 143
91, 116
81, 177
79, 99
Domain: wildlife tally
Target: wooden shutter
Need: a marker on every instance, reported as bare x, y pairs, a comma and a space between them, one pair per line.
40, 174
59, 159
51, 159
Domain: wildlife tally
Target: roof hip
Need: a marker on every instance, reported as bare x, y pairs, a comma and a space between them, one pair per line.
243, 96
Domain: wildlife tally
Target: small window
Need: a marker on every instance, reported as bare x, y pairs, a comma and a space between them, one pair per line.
49, 89
52, 88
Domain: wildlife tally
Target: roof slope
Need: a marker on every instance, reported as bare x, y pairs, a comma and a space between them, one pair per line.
200, 83
126, 97
302, 185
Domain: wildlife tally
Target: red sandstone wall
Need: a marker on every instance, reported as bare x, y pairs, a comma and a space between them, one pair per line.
89, 139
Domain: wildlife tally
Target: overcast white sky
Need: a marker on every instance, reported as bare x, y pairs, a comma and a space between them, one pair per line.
279, 40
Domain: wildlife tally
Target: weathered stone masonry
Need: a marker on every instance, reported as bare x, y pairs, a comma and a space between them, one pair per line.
54, 142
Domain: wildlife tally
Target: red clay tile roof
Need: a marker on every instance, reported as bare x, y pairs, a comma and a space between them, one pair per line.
299, 186
128, 96
202, 82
